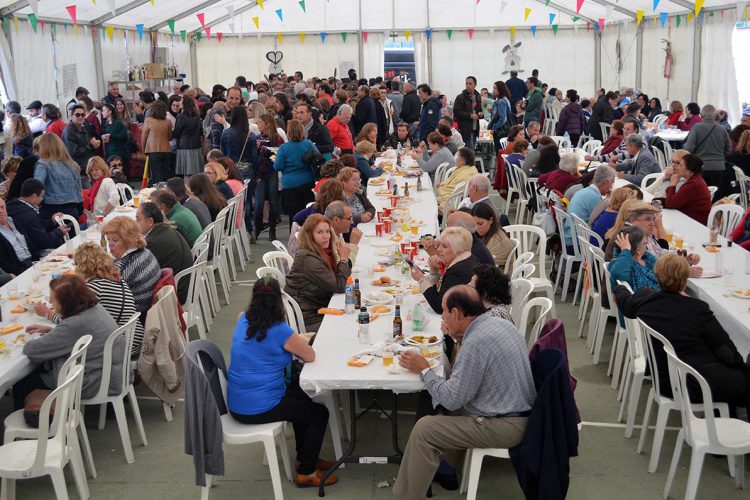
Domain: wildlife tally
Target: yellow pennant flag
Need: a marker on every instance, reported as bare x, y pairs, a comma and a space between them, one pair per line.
301, 37
260, 3
639, 16
512, 31
698, 6
279, 36
152, 3
690, 17
527, 12
15, 23
75, 29
256, 20
110, 32
407, 34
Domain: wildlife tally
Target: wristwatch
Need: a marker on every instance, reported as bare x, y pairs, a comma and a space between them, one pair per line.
424, 372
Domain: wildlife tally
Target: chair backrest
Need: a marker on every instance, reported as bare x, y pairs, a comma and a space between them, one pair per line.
479, 163
633, 331
512, 256
534, 193
590, 146
648, 335
661, 158
712, 191
77, 357
525, 271
440, 174
659, 119
563, 219
605, 130
542, 306
279, 246
448, 172
69, 219
649, 179
731, 215
194, 350
280, 260
126, 192
531, 239
451, 203
559, 140
218, 239
744, 182
600, 276
503, 143
194, 274
274, 273
294, 313
126, 332
520, 291
706, 423
511, 173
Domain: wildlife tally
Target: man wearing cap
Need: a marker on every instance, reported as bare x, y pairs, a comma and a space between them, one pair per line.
36, 123
746, 117
112, 94
586, 199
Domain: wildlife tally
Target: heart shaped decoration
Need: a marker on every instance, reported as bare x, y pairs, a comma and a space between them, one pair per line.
275, 57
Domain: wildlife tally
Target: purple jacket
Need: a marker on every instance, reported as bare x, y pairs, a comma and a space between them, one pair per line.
571, 120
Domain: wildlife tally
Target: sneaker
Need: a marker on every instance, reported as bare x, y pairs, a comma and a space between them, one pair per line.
313, 481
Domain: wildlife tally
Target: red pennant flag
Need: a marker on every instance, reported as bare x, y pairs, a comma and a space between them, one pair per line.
579, 4
72, 11
201, 18
601, 24
219, 35
364, 36
471, 33
208, 32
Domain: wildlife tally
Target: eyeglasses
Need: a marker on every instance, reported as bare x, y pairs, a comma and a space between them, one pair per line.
675, 162
79, 114
116, 165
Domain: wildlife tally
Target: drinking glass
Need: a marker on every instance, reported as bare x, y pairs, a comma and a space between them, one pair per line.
12, 292
729, 276
679, 240
668, 234
388, 359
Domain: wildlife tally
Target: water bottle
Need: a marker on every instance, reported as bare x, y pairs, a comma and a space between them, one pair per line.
364, 327
566, 138
349, 299
399, 148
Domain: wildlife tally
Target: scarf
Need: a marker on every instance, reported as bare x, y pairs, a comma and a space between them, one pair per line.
329, 254
91, 195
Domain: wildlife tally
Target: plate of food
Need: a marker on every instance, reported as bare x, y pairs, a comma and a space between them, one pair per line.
380, 309
743, 294
375, 298
394, 291
423, 340
384, 281
708, 274
28, 302
381, 243
33, 292
378, 181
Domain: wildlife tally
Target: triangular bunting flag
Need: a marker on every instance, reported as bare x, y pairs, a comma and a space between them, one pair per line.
689, 17
231, 26
639, 16
280, 13
547, 2
450, 34
663, 17
554, 28
15, 23
72, 11
219, 36
343, 36
364, 36
428, 34
601, 24
152, 3
183, 35
579, 4
576, 19
256, 21
512, 32
110, 32
75, 28
656, 4
201, 18
139, 28
526, 13
198, 36
302, 37
170, 23
322, 37
407, 34
279, 36
678, 21
302, 4
471, 33
533, 30
260, 3
698, 6
551, 18
230, 10
33, 21
207, 29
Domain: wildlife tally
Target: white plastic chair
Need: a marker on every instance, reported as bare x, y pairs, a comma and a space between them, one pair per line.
45, 455
649, 179
293, 313
541, 306
218, 261
533, 239
661, 158
525, 271
233, 233
448, 173
102, 397
559, 140
278, 260
605, 130
192, 312
718, 436
274, 273
503, 143
582, 228
664, 403
520, 291
126, 192
65, 218
514, 184
207, 292
450, 204
660, 120
744, 182
600, 314
511, 256
567, 260
473, 467
279, 246
590, 146
591, 290
17, 428
439, 175
731, 215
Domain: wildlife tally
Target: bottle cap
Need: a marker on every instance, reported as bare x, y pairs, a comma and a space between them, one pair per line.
349, 280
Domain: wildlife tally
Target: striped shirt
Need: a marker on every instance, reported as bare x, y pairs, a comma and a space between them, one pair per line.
141, 271
491, 376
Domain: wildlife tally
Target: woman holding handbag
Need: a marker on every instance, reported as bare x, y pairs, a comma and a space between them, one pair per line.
188, 131
500, 121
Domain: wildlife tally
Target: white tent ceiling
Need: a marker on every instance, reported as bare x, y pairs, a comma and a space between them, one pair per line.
343, 15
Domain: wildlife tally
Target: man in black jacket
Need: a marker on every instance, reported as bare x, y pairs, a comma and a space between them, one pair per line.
315, 131
467, 109
16, 250
44, 235
365, 112
80, 144
603, 112
411, 105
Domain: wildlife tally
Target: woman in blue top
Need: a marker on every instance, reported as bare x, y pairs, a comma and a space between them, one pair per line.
262, 347
61, 177
237, 140
297, 178
633, 264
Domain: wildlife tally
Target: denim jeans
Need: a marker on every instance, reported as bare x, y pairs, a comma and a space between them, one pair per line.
267, 190
249, 174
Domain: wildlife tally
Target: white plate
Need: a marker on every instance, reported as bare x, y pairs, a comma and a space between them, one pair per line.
709, 274
422, 344
383, 243
376, 298
740, 295
124, 209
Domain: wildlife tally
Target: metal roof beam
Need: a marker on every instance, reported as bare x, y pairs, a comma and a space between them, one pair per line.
183, 15
684, 3
118, 12
567, 11
227, 17
14, 7
617, 8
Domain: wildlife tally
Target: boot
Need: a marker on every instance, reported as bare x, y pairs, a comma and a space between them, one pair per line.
272, 233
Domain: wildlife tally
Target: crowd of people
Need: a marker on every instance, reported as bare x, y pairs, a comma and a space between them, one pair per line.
306, 148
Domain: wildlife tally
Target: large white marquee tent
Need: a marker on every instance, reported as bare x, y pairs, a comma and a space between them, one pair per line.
43, 52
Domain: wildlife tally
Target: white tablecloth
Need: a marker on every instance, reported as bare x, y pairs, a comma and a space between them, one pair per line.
672, 134
337, 341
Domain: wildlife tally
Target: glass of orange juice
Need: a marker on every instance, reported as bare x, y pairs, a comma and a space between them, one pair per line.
668, 234
679, 240
136, 200
387, 359
414, 229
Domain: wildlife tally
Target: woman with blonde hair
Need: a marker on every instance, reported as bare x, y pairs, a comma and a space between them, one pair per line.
102, 196
368, 133
60, 176
204, 189
676, 109
9, 168
607, 218
741, 156
96, 266
137, 265
355, 196
320, 269
218, 175
20, 133
364, 151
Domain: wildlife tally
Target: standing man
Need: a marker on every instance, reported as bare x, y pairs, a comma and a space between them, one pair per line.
80, 144
314, 130
467, 109
396, 98
517, 89
534, 101
491, 383
112, 94
365, 112
51, 116
430, 114
338, 127
410, 105
36, 122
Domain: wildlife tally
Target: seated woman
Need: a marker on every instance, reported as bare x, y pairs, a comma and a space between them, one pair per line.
81, 314
741, 233
691, 327
95, 265
235, 179
330, 170
263, 345
606, 219
436, 155
633, 264
137, 265
491, 233
204, 189
520, 150
693, 199
690, 118
218, 175
616, 136
561, 179
362, 210
493, 287
329, 192
741, 155
515, 133
320, 269
363, 154
103, 195
549, 160
658, 188
465, 168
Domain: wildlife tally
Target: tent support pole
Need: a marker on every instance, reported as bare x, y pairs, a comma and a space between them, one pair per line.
598, 61
193, 63
429, 48
7, 67
98, 66
360, 46
639, 57
697, 42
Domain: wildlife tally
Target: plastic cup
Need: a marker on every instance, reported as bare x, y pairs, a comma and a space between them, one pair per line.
394, 201
387, 226
415, 229
679, 240
136, 201
379, 227
388, 359
12, 292
668, 234
403, 247
380, 216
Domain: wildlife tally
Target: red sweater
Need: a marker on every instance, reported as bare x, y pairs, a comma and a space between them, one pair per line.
688, 124
341, 135
673, 119
740, 230
558, 180
693, 199
611, 144
56, 127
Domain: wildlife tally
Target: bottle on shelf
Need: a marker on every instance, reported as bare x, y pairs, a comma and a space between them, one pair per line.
398, 325
363, 331
357, 295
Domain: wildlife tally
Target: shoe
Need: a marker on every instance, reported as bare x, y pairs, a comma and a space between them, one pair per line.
272, 233
253, 238
320, 464
447, 481
313, 481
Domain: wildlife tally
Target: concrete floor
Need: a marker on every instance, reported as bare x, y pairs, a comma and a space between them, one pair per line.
607, 465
